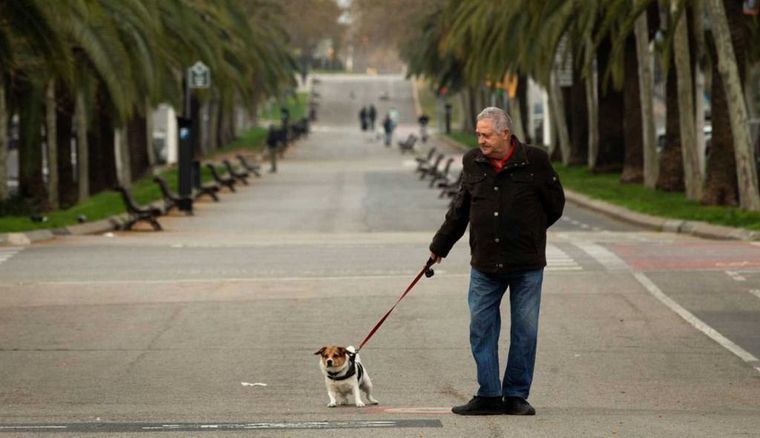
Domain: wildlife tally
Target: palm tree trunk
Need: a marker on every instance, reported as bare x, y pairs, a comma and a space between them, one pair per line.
578, 120
611, 114
149, 134
729, 72
83, 156
51, 134
31, 183
633, 164
67, 189
137, 146
670, 175
720, 174
593, 114
692, 177
558, 112
698, 52
121, 157
646, 85
3, 142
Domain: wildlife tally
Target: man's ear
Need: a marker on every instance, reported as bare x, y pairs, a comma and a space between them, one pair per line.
320, 351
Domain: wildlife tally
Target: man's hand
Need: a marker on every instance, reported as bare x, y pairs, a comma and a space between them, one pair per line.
435, 258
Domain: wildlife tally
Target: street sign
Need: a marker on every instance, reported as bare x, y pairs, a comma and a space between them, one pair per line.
199, 76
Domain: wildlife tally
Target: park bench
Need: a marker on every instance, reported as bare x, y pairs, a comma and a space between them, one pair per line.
421, 161
430, 168
437, 175
222, 181
171, 199
240, 176
449, 187
210, 190
135, 213
408, 144
253, 168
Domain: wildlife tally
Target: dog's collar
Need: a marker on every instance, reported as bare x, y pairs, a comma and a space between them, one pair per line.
353, 368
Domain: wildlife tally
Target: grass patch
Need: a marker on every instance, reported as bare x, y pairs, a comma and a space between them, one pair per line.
636, 197
108, 203
295, 104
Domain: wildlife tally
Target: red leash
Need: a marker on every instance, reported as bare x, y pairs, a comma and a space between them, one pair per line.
428, 273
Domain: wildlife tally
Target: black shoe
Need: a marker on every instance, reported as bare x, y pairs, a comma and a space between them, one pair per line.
480, 406
517, 406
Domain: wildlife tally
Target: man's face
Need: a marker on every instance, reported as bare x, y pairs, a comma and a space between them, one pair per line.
492, 143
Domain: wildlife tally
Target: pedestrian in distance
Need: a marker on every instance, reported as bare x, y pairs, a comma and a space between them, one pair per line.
509, 196
273, 141
423, 120
388, 129
363, 118
372, 115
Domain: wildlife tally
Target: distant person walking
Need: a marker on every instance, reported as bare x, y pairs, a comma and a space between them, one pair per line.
273, 141
363, 118
372, 114
388, 129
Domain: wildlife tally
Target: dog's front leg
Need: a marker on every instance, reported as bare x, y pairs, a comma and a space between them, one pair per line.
331, 394
357, 395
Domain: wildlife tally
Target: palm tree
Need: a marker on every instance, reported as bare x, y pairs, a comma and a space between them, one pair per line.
729, 75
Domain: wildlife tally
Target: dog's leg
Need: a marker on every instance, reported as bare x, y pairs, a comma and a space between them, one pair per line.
331, 394
366, 386
357, 395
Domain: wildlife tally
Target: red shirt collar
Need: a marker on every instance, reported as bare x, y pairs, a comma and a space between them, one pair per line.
499, 164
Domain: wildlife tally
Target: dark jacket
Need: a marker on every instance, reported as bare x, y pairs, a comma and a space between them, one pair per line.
508, 212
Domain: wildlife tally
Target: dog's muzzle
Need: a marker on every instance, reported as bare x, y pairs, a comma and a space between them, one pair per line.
329, 362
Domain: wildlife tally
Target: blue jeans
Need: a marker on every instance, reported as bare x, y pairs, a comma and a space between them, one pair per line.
484, 299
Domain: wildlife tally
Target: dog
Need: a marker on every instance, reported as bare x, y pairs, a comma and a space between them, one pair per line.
344, 375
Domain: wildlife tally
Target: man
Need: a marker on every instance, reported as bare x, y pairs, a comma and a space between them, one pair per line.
509, 195
273, 141
372, 115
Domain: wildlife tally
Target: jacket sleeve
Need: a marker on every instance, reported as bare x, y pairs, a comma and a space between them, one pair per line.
551, 192
455, 223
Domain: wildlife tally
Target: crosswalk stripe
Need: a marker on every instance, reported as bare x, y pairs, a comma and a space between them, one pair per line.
558, 260
605, 257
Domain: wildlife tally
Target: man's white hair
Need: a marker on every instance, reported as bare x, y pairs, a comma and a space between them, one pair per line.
499, 118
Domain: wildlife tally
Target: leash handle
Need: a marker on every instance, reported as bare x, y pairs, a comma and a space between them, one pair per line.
428, 271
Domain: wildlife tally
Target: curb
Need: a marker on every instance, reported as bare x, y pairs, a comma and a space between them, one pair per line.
694, 228
100, 226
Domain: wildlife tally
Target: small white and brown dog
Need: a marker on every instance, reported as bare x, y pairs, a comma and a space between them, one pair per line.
344, 375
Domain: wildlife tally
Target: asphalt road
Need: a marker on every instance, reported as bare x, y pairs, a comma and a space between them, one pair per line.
212, 324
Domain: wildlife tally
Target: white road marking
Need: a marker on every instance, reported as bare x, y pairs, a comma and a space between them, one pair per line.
693, 320
558, 260
605, 257
755, 292
736, 276
253, 384
7, 252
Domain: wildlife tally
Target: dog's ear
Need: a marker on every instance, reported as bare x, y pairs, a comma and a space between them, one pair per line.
320, 351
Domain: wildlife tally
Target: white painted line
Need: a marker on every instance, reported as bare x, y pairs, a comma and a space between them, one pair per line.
241, 280
736, 276
693, 320
605, 257
755, 292
33, 427
757, 368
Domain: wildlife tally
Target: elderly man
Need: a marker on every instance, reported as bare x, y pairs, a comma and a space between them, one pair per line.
510, 195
